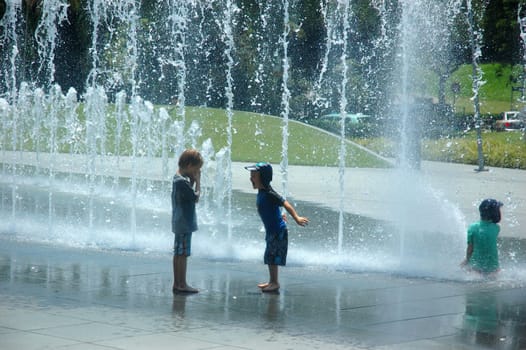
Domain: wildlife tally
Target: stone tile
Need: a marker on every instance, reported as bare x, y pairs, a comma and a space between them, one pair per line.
5, 329
28, 318
31, 341
168, 341
69, 299
247, 338
427, 345
85, 346
91, 332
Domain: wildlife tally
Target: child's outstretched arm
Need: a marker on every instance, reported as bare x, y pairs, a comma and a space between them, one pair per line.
300, 220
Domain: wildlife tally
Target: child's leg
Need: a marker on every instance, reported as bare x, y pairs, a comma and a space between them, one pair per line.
179, 273
266, 284
275, 255
177, 283
180, 285
273, 272
178, 250
273, 284
180, 264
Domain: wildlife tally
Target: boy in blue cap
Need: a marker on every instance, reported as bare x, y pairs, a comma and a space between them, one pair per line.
268, 204
482, 254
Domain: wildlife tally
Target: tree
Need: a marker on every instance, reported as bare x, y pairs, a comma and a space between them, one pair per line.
73, 67
2, 8
501, 32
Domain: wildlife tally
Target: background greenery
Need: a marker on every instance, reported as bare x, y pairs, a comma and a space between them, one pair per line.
258, 137
257, 29
501, 149
495, 95
258, 74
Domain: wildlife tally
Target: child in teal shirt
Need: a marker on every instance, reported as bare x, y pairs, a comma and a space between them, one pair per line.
482, 254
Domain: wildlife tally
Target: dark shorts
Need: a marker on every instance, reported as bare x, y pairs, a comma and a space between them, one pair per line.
276, 250
183, 243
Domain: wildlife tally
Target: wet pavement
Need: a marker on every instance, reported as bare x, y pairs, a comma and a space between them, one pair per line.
54, 297
65, 298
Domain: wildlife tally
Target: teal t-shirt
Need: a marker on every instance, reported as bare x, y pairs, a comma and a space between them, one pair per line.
483, 236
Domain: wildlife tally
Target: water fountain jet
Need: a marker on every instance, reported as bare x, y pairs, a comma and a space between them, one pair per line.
121, 159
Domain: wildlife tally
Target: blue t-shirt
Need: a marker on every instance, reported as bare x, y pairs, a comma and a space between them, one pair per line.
268, 202
184, 219
483, 236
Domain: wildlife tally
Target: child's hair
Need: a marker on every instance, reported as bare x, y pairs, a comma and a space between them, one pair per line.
490, 210
190, 157
265, 171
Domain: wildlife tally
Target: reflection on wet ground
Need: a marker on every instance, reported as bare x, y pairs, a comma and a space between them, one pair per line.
55, 297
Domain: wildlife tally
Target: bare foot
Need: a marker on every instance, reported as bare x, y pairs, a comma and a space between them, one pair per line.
272, 287
185, 289
263, 285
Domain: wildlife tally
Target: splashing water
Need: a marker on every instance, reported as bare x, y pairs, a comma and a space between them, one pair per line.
95, 168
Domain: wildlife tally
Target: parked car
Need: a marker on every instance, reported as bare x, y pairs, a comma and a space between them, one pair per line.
511, 120
349, 117
356, 124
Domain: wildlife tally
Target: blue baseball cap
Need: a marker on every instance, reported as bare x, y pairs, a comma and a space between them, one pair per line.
265, 169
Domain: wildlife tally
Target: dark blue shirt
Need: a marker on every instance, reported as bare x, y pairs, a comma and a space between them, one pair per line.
184, 218
268, 202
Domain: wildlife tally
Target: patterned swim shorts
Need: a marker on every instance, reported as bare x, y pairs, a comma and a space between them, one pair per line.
276, 250
183, 244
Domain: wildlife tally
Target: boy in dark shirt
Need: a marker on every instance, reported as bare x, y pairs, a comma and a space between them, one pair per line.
268, 204
186, 188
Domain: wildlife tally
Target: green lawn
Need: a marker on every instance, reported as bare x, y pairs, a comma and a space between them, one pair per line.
255, 137
500, 149
495, 95
258, 137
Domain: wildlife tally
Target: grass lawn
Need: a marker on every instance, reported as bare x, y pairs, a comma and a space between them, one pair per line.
255, 137
495, 95
500, 149
258, 137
